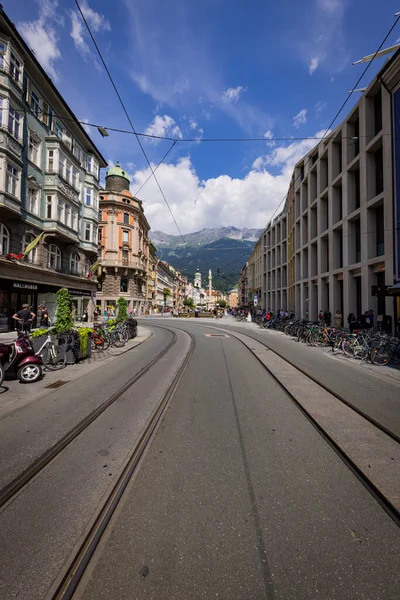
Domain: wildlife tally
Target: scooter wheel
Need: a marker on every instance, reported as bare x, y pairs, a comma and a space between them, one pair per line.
1, 374
29, 373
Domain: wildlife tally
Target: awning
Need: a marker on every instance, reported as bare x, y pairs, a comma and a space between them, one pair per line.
394, 290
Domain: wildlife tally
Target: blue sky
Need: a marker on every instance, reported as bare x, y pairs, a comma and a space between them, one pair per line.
209, 68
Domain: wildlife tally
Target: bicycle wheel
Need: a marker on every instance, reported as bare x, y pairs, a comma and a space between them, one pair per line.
96, 343
53, 357
117, 339
381, 355
1, 374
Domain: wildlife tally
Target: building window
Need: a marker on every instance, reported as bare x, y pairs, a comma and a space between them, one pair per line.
34, 148
35, 103
68, 171
88, 265
89, 197
2, 53
88, 232
61, 166
126, 218
75, 179
60, 211
54, 257
2, 106
123, 286
89, 163
49, 207
45, 113
26, 240
68, 140
125, 257
68, 215
50, 160
125, 236
12, 178
100, 235
4, 239
78, 152
15, 68
32, 194
74, 220
13, 121
74, 263
59, 131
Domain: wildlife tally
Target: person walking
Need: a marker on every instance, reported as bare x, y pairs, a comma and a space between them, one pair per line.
44, 320
24, 317
338, 319
327, 318
352, 322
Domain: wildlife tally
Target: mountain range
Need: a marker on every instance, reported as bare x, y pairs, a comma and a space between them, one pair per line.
224, 250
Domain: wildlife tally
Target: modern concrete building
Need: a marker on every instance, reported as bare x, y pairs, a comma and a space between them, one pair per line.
334, 244
49, 183
255, 274
123, 245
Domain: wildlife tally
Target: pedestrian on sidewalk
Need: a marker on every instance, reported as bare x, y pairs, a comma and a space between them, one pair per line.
352, 322
327, 318
24, 318
44, 320
338, 319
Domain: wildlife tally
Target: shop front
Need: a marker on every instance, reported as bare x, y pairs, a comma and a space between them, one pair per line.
13, 294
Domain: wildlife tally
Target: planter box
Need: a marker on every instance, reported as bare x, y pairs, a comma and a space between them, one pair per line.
71, 360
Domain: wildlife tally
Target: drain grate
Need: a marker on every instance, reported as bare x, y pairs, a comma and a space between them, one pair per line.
220, 335
56, 384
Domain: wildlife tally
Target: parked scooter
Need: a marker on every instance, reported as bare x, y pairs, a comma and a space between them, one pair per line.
19, 359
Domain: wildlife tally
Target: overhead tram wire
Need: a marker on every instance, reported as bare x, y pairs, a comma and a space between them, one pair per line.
158, 165
342, 107
128, 117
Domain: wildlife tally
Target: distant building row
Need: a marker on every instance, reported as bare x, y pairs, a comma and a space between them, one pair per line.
336, 244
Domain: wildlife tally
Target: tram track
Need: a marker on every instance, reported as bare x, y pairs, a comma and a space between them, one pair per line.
386, 503
69, 580
9, 491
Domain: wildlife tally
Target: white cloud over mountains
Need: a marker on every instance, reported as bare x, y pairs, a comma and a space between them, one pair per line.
220, 201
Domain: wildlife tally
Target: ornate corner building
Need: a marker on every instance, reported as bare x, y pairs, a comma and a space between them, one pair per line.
49, 185
123, 245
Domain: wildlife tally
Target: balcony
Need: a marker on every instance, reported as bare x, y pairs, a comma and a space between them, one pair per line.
53, 182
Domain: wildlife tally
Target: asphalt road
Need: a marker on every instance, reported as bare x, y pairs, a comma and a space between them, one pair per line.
240, 498
370, 389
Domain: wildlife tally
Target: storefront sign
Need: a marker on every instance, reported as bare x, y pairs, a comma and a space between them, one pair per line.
17, 285
87, 293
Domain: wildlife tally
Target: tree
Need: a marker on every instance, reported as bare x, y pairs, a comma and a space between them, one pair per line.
222, 303
188, 302
122, 309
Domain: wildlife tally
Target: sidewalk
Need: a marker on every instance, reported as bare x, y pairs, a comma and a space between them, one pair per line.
14, 395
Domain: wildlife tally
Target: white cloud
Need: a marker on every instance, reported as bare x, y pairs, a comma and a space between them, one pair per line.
87, 128
330, 6
79, 34
268, 134
314, 62
192, 124
220, 201
319, 107
232, 95
41, 37
300, 118
164, 127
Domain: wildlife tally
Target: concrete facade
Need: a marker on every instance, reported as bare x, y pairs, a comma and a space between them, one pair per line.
335, 238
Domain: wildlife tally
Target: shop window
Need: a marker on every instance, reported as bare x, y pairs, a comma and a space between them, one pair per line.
123, 288
26, 240
74, 263
54, 261
4, 239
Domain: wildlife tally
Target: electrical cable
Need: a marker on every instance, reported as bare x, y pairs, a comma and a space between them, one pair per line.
128, 117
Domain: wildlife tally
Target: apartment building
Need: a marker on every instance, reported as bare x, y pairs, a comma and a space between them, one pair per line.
333, 246
165, 286
152, 278
255, 274
123, 242
49, 183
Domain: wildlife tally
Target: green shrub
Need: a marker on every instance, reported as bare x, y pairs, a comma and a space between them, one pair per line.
64, 321
122, 309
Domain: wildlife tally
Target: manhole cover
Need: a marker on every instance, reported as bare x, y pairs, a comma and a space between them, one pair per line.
56, 384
